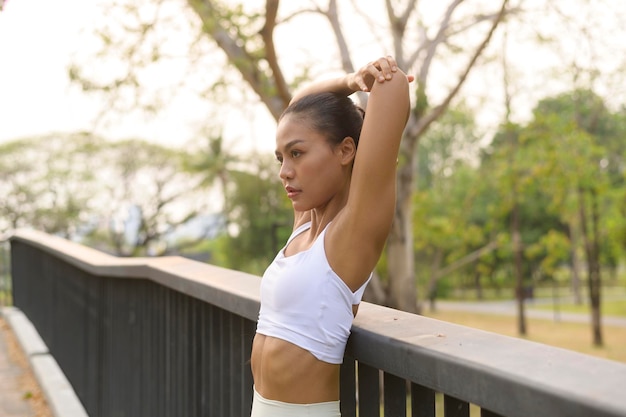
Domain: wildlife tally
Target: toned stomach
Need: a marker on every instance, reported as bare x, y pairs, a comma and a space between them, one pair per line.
285, 372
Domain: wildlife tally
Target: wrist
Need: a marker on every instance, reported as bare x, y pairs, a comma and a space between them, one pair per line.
350, 83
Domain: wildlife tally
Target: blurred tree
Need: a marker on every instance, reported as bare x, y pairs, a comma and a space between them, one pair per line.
445, 200
147, 194
259, 215
553, 180
581, 178
245, 33
213, 162
140, 193
521, 207
46, 182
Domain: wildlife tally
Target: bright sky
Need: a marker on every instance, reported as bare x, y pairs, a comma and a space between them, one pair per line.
36, 40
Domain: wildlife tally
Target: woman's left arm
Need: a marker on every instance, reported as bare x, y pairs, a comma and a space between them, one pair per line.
365, 222
372, 190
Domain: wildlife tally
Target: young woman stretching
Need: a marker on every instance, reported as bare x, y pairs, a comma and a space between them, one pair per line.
343, 199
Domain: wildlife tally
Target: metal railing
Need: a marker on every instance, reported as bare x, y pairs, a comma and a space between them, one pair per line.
172, 337
5, 273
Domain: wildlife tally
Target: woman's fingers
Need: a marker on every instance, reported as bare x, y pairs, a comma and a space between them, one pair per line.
379, 70
383, 68
392, 63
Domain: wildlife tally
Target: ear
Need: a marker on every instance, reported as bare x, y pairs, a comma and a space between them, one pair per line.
347, 150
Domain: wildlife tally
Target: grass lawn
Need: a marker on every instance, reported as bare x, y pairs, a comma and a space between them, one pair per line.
609, 307
573, 336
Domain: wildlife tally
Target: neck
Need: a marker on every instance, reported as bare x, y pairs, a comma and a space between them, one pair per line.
323, 215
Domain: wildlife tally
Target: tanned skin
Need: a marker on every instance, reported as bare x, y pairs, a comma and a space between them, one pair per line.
355, 189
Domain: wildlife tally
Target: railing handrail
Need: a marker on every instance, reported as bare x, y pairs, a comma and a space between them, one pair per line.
231, 290
463, 362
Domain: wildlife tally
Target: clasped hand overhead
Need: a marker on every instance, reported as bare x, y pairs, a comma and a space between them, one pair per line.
379, 70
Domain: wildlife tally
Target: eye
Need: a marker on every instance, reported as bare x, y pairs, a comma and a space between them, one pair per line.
295, 154
279, 159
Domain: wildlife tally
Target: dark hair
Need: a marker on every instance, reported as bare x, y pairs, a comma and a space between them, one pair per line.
333, 115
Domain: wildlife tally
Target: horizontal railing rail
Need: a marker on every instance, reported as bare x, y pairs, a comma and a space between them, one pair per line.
172, 337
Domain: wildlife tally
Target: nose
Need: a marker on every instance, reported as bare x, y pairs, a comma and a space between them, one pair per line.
286, 171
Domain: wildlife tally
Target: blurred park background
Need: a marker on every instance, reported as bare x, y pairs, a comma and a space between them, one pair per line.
146, 128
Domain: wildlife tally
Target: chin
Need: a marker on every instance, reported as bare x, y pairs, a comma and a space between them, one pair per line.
297, 206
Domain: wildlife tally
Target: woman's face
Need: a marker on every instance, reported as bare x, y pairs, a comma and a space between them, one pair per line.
311, 169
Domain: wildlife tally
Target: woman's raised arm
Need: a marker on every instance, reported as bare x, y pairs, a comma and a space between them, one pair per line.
362, 227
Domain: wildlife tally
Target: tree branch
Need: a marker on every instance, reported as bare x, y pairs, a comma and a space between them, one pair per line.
423, 122
267, 33
344, 52
467, 259
239, 57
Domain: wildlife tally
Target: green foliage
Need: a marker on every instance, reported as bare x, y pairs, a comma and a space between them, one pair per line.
572, 147
259, 214
552, 249
449, 216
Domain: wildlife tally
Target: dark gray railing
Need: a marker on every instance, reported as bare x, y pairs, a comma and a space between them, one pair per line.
172, 337
5, 273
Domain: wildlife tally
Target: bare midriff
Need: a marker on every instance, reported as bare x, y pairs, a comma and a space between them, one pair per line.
285, 372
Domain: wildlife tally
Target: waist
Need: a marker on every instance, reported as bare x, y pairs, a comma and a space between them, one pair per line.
262, 407
285, 372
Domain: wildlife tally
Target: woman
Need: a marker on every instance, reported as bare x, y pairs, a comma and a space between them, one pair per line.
343, 200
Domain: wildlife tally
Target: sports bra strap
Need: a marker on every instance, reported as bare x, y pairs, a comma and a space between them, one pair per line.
296, 232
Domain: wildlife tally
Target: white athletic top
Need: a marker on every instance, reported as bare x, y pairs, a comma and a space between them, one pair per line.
303, 301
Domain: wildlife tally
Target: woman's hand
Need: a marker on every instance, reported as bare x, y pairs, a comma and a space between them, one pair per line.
377, 71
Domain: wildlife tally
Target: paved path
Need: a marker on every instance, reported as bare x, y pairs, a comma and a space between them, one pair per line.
16, 380
31, 382
509, 308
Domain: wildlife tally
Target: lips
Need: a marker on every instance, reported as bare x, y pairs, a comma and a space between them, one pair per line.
291, 191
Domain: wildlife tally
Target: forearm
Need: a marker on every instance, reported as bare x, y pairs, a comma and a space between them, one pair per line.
339, 85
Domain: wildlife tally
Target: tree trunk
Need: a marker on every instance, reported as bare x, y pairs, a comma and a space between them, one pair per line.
434, 278
517, 265
400, 262
590, 239
575, 284
479, 288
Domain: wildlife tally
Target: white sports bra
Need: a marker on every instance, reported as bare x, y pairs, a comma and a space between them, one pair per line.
303, 301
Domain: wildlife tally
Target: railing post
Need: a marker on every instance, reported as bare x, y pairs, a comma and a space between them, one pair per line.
453, 407
422, 401
348, 387
395, 395
369, 394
